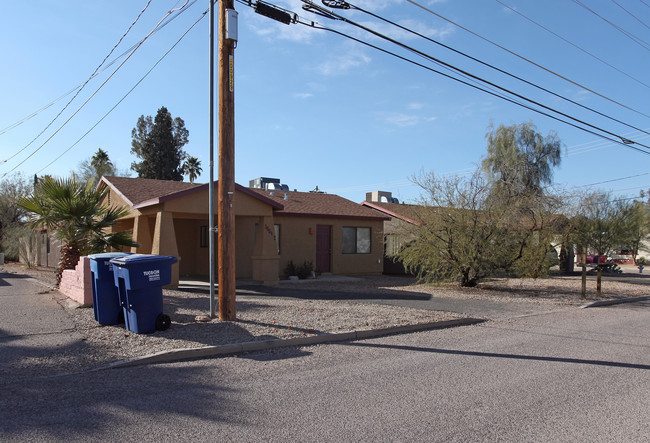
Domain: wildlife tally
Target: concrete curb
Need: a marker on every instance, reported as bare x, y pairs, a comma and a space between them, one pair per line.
253, 346
598, 303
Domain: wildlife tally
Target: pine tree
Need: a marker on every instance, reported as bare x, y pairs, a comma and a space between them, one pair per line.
159, 145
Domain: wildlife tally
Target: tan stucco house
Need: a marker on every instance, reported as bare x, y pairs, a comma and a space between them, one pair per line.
272, 228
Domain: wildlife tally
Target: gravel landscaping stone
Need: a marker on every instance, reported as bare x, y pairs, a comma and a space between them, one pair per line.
263, 317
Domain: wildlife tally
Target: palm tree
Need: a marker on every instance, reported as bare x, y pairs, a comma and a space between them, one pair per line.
192, 168
100, 160
75, 214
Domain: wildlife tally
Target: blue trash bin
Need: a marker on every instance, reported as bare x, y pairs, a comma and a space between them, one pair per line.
139, 279
106, 303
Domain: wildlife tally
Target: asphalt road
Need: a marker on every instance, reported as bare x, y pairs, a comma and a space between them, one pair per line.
574, 375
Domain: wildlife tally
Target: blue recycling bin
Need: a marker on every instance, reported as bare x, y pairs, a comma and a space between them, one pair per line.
139, 279
106, 303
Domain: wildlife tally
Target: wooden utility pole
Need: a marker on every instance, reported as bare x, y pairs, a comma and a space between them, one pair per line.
211, 187
226, 188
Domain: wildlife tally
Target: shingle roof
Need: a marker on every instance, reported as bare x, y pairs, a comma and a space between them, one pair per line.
139, 190
142, 192
408, 213
315, 204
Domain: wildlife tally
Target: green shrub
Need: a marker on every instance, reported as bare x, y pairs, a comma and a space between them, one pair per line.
302, 271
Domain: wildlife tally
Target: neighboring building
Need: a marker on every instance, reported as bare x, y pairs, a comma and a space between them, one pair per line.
398, 215
272, 228
40, 249
403, 214
49, 250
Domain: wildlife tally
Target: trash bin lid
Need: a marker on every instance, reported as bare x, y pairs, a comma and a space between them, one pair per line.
108, 255
134, 259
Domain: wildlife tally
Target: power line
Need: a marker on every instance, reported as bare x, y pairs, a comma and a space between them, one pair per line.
526, 59
492, 66
108, 65
83, 85
632, 15
310, 6
485, 90
127, 94
97, 90
572, 44
616, 179
645, 45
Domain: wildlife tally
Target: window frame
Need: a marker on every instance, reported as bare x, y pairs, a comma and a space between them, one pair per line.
358, 242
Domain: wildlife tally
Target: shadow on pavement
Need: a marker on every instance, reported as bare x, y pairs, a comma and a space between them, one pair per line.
315, 294
5, 275
86, 407
499, 355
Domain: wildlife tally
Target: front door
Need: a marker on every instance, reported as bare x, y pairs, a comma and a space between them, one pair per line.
323, 248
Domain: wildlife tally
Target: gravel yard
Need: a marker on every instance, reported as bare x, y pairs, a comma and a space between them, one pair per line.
263, 317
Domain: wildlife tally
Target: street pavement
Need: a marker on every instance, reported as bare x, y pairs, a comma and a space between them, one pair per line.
558, 375
32, 322
575, 375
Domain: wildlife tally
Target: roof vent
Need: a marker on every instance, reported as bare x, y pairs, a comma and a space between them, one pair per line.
317, 191
277, 186
268, 184
381, 197
286, 196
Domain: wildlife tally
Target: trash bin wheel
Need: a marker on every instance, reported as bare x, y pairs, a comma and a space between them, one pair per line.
163, 322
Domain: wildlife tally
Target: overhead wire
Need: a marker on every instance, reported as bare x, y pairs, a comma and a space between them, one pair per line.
615, 179
310, 6
83, 85
628, 12
127, 94
493, 67
485, 90
645, 45
35, 113
572, 44
329, 14
413, 2
97, 90
108, 65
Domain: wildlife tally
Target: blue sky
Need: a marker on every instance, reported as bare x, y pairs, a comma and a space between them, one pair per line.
317, 109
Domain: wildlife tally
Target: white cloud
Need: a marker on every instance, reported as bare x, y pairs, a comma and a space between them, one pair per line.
581, 95
404, 35
342, 63
401, 120
303, 95
404, 120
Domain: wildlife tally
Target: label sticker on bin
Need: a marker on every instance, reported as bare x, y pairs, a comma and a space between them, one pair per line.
153, 275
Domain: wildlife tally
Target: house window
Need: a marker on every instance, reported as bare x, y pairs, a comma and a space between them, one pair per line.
204, 241
356, 240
